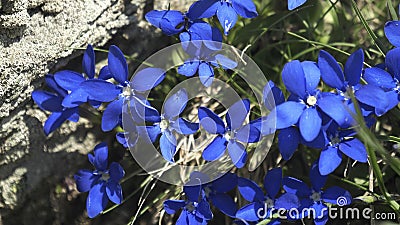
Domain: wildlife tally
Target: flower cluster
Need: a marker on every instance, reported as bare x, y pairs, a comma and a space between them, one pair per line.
321, 119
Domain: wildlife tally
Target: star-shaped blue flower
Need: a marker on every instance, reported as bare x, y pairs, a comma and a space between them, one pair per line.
386, 78
173, 22
307, 105
124, 91
349, 80
102, 183
231, 135
52, 102
169, 122
195, 210
314, 197
263, 206
227, 11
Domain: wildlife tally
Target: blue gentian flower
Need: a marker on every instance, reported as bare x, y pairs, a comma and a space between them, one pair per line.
173, 22
338, 142
231, 135
124, 91
392, 32
292, 4
307, 104
227, 11
314, 198
349, 80
215, 191
169, 122
52, 102
204, 60
388, 80
102, 183
195, 210
263, 206
70, 80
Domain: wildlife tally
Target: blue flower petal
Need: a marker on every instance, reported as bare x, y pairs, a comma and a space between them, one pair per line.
331, 72
227, 17
101, 156
175, 104
312, 75
373, 96
215, 149
210, 121
292, 4
116, 172
203, 9
68, 80
193, 192
203, 210
379, 78
273, 182
295, 186
249, 133
310, 124
392, 62
85, 179
206, 74
225, 204
225, 183
317, 180
321, 213
114, 192
224, 62
89, 62
353, 67
294, 79
51, 82
112, 115
288, 114
171, 206
147, 79
75, 98
250, 190
171, 22
189, 68
238, 153
329, 160
100, 90
183, 218
168, 146
335, 194
55, 120
117, 65
47, 101
288, 141
245, 8
185, 127
237, 113
105, 73
354, 149
335, 109
287, 201
272, 95
393, 99
142, 111
97, 200
392, 32
151, 132
251, 212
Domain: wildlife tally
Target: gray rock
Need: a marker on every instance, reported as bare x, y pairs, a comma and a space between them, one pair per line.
38, 36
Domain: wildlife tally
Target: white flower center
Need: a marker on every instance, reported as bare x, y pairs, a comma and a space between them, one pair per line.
316, 196
269, 203
190, 207
311, 100
127, 91
164, 124
105, 176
